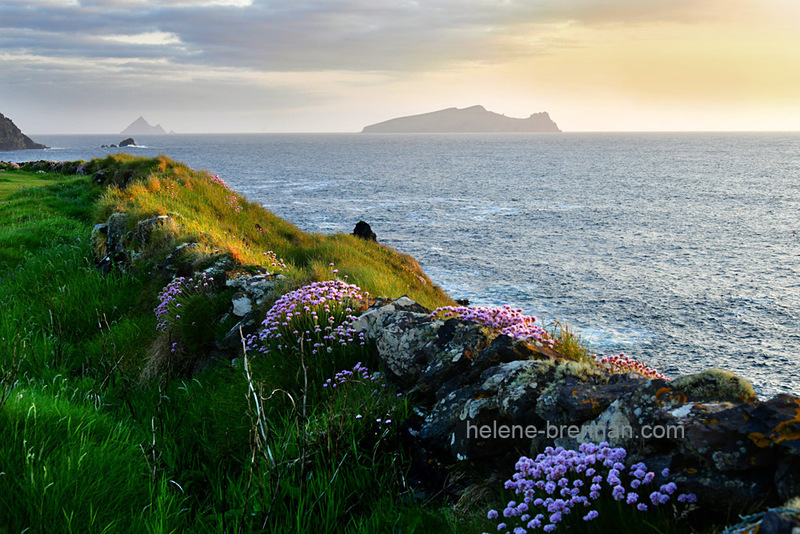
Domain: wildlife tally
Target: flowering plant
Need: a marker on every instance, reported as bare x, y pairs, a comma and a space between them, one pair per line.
317, 317
173, 297
215, 179
510, 322
559, 482
625, 364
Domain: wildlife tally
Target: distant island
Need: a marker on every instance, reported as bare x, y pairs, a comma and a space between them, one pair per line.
141, 127
12, 138
475, 119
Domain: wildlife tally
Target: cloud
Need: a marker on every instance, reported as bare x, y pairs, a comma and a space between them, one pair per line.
269, 55
306, 35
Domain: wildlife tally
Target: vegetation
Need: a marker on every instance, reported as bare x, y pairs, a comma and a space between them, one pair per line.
294, 434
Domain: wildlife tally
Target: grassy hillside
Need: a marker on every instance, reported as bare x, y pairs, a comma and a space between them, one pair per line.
92, 444
123, 410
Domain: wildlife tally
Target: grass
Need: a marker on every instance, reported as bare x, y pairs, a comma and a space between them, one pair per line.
12, 181
256, 444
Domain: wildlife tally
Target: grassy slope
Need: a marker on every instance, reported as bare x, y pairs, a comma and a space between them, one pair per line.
90, 448
206, 212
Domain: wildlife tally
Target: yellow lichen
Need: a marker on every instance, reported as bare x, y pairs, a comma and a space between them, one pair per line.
715, 384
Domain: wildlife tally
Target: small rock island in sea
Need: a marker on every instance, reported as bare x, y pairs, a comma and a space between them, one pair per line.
475, 119
141, 127
11, 138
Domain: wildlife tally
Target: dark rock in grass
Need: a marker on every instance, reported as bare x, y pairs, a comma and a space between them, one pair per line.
246, 326
174, 264
127, 142
145, 228
364, 231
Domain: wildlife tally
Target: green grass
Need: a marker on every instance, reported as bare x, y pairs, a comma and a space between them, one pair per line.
91, 447
93, 443
11, 181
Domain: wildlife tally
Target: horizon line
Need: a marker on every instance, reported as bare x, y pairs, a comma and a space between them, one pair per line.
431, 133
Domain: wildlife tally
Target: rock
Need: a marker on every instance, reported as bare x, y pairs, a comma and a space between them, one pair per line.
402, 338
775, 424
145, 228
364, 231
775, 522
173, 265
117, 228
248, 325
11, 138
485, 399
241, 305
254, 286
127, 142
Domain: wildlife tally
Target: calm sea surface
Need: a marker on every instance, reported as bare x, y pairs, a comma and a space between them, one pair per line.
680, 250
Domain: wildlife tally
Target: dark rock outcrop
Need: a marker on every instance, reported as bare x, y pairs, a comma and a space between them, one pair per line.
11, 138
717, 439
364, 231
475, 119
127, 142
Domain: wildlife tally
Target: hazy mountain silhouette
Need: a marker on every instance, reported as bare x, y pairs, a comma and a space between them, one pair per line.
474, 119
142, 127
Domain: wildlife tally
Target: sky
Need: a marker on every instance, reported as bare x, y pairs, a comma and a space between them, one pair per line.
202, 66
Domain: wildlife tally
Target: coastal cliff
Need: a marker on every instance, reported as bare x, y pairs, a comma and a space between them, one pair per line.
475, 119
219, 360
11, 138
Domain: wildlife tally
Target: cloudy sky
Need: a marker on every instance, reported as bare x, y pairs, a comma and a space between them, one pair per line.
93, 66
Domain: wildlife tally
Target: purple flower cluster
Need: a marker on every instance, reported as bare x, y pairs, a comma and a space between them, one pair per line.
215, 179
625, 364
358, 373
167, 299
559, 482
510, 322
318, 317
168, 309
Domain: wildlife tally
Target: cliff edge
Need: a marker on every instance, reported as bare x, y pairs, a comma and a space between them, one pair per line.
11, 138
475, 119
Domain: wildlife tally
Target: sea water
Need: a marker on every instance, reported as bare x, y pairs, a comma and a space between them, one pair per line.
680, 250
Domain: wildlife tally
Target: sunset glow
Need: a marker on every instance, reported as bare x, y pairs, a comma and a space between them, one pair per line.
229, 66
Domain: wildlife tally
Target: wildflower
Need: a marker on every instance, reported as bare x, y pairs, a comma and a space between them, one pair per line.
508, 321
571, 471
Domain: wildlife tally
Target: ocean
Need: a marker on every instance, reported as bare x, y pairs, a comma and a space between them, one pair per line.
678, 249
